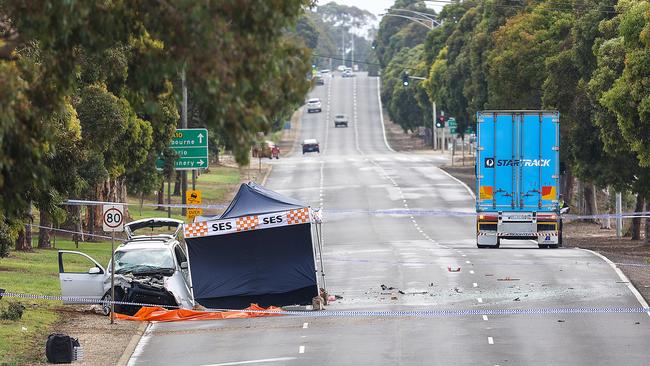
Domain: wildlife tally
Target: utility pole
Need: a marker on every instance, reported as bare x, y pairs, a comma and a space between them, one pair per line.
352, 37
343, 45
619, 212
184, 125
434, 133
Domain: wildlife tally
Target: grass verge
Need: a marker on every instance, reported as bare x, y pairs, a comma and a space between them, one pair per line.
23, 341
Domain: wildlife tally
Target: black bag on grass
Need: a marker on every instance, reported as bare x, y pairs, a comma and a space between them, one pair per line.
60, 348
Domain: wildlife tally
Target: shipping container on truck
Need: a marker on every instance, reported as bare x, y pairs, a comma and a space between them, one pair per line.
518, 177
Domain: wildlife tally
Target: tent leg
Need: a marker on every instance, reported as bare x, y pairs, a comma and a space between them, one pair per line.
319, 236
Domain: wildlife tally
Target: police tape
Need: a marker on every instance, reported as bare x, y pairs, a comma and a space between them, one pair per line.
382, 212
77, 299
75, 232
356, 313
166, 205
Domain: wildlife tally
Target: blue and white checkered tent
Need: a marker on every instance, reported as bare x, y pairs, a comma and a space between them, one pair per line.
259, 250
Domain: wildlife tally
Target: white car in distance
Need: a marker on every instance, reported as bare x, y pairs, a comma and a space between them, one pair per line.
313, 105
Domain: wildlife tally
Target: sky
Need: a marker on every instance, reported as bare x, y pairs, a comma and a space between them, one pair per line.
374, 6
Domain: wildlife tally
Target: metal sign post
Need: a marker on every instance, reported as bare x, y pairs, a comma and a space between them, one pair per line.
112, 221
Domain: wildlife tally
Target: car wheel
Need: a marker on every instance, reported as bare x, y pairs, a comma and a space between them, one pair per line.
106, 308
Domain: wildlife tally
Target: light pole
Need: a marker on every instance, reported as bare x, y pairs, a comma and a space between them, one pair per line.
427, 20
434, 133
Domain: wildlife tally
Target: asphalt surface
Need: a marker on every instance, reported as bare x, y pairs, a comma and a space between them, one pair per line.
357, 171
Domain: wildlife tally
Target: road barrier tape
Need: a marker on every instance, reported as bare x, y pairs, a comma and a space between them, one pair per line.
75, 232
166, 205
384, 212
360, 313
77, 299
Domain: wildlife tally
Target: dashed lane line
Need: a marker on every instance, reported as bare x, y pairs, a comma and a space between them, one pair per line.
490, 340
301, 349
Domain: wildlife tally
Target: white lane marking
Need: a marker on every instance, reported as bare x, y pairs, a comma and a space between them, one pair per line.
305, 325
468, 262
463, 255
490, 340
475, 284
301, 349
623, 278
471, 271
263, 360
381, 115
461, 183
479, 299
485, 317
139, 348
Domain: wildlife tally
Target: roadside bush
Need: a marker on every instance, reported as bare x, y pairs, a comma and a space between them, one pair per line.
6, 238
13, 312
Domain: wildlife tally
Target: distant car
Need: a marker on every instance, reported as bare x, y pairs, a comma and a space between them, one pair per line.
313, 105
340, 120
310, 145
341, 68
325, 71
319, 80
348, 73
150, 269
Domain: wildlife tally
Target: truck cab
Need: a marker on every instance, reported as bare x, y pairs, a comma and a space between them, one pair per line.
518, 178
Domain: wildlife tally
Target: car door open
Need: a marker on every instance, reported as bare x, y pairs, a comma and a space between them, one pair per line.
82, 277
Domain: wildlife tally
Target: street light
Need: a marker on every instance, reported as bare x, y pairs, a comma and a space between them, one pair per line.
405, 81
424, 19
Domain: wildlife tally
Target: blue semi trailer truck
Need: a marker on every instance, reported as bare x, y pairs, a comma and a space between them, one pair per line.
518, 178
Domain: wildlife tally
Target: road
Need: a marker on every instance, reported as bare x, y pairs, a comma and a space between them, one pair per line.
357, 171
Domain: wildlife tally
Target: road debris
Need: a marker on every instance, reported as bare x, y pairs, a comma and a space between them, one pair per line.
516, 299
507, 278
384, 287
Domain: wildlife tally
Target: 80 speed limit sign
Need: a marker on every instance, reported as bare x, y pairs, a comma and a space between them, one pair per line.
113, 218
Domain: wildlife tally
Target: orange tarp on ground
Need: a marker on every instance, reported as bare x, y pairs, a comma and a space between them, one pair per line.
158, 314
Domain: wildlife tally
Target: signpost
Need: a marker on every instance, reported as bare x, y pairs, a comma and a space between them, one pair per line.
451, 122
112, 221
191, 145
193, 197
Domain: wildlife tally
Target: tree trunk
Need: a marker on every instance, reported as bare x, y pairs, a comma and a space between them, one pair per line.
161, 196
590, 201
111, 190
567, 189
647, 230
43, 232
177, 185
607, 222
22, 244
636, 222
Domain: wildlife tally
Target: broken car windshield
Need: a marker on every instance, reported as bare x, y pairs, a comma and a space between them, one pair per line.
144, 260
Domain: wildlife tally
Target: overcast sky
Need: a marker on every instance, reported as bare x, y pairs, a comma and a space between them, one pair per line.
374, 6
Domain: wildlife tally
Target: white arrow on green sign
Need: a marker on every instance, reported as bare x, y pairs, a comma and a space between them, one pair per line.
191, 145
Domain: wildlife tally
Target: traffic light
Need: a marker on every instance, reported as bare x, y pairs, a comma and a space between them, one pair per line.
405, 79
440, 122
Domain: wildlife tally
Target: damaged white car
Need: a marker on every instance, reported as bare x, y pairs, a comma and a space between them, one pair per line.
150, 268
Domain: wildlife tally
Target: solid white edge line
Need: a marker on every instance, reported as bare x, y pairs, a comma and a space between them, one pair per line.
471, 193
381, 114
140, 347
301, 349
263, 360
623, 277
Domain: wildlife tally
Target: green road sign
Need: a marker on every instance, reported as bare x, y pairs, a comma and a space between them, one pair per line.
191, 145
451, 122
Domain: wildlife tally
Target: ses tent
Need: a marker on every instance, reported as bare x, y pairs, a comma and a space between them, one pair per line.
260, 250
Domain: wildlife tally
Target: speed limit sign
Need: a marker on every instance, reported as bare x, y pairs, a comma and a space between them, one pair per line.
113, 218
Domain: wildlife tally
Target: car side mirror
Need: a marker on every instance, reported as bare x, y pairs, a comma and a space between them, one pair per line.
94, 270
183, 265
